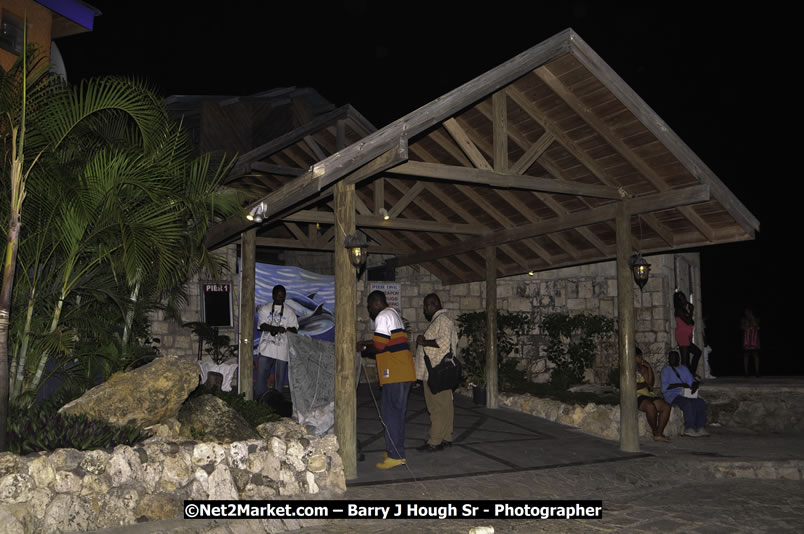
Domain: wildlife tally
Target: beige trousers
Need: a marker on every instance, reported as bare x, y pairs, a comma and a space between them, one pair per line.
441, 414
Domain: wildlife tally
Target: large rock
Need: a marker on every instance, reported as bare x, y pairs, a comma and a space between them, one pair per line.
208, 418
143, 396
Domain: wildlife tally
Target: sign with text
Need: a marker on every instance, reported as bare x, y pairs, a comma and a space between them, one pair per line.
216, 303
393, 293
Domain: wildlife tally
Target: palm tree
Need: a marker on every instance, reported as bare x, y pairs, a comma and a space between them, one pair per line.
119, 202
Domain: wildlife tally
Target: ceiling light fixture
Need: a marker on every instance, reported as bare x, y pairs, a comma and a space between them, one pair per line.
256, 213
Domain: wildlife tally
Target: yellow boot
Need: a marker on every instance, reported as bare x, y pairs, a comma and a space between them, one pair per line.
389, 463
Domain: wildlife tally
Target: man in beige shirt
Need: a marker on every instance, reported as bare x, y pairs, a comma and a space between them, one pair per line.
440, 338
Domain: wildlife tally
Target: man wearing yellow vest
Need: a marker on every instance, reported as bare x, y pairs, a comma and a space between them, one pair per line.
396, 373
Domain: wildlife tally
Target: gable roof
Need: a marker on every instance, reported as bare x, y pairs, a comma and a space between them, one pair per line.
531, 157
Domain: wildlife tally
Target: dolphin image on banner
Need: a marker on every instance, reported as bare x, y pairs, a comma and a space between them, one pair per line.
310, 295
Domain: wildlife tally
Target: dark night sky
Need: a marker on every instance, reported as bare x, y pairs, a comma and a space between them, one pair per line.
701, 71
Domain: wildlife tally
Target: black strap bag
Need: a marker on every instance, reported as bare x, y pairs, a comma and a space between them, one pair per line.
446, 375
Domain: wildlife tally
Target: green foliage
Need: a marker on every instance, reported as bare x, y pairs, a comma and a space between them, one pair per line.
215, 344
572, 342
511, 326
117, 204
41, 428
255, 413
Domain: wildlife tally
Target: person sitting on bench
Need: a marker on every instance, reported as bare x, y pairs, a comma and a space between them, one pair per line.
656, 410
678, 388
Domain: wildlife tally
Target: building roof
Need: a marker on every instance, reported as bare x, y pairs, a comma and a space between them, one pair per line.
531, 157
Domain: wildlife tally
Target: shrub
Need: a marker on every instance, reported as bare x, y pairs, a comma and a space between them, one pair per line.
41, 428
510, 327
572, 342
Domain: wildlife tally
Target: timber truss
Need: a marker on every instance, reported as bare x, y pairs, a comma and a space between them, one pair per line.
531, 158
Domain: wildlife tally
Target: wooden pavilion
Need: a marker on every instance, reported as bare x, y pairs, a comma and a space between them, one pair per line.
548, 160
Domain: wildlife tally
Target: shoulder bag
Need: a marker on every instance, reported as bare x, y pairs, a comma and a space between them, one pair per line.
446, 375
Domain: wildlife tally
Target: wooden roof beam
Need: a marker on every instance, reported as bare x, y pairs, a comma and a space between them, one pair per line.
569, 145
373, 221
283, 141
636, 206
623, 150
454, 206
271, 168
595, 64
533, 153
308, 189
504, 180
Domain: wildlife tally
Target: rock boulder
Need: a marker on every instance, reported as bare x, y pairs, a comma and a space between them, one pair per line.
208, 418
143, 396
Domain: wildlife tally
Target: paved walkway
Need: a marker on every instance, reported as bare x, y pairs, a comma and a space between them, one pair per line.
728, 482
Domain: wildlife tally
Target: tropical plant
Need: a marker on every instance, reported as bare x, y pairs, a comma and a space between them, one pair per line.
117, 205
572, 343
215, 344
511, 326
42, 428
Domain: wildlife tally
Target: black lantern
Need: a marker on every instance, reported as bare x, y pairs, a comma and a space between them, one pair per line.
356, 245
640, 269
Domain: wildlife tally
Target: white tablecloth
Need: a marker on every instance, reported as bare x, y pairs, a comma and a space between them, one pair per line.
227, 369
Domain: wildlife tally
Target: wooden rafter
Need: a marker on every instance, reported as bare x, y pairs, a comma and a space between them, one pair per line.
568, 144
369, 220
503, 180
656, 202
624, 151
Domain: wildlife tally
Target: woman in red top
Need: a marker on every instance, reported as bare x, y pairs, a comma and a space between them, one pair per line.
684, 328
750, 327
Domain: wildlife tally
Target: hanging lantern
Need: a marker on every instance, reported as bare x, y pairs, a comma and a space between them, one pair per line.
357, 249
640, 269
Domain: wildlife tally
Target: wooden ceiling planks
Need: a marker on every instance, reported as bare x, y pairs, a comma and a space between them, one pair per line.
565, 118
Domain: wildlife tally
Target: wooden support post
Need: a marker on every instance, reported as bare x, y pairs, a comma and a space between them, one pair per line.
629, 429
491, 327
345, 338
248, 255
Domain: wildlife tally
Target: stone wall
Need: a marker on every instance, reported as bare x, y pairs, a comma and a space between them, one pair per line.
75, 491
174, 338
774, 406
582, 289
601, 420
585, 289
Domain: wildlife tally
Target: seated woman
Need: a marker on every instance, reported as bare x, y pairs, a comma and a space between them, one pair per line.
656, 410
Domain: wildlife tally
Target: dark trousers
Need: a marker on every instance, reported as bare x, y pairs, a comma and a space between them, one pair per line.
264, 367
694, 411
393, 405
692, 349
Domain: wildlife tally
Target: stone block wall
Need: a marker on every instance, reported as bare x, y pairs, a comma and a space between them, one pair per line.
583, 289
79, 491
175, 339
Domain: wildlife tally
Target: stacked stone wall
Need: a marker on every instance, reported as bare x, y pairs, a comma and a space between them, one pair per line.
590, 289
76, 491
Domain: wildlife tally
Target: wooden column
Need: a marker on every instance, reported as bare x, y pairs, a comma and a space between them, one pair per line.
345, 338
629, 429
491, 327
248, 255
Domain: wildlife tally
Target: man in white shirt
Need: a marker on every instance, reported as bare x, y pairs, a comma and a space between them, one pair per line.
275, 321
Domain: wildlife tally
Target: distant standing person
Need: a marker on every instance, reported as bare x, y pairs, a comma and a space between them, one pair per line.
396, 373
274, 322
685, 325
750, 327
435, 343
